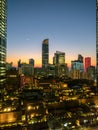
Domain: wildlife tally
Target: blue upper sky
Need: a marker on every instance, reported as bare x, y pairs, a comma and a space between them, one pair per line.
70, 26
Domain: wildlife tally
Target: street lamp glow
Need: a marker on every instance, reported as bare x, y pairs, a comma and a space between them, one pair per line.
29, 107
9, 109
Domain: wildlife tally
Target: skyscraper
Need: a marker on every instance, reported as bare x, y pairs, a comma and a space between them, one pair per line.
60, 65
77, 65
87, 62
3, 39
31, 62
59, 58
45, 53
80, 58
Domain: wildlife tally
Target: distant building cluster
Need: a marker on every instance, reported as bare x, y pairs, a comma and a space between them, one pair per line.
81, 68
32, 96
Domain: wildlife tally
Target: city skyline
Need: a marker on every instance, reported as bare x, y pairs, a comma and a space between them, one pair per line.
70, 27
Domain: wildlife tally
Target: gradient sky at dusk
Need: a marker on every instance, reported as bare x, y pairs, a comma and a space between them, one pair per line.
70, 26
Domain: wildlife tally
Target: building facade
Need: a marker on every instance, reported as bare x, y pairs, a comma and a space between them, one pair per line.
87, 62
91, 72
60, 65
26, 69
31, 62
80, 58
45, 53
77, 65
59, 58
3, 40
77, 69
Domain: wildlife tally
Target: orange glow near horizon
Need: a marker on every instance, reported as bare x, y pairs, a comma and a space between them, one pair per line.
23, 60
38, 62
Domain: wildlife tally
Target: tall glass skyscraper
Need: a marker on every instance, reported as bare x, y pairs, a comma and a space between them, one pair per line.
45, 53
3, 40
59, 58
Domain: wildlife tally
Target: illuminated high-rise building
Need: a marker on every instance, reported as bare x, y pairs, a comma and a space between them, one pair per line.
87, 62
60, 65
59, 58
3, 40
45, 53
77, 65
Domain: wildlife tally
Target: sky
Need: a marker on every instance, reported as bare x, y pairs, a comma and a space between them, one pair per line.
70, 26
